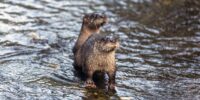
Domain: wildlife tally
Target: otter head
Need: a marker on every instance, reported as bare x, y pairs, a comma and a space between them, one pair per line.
108, 44
94, 21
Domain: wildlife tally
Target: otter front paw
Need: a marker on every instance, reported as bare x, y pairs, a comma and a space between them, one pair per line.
90, 84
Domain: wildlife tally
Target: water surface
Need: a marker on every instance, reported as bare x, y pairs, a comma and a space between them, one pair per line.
159, 56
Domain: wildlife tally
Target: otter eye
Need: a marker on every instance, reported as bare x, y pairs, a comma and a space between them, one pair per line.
111, 40
92, 15
96, 16
103, 39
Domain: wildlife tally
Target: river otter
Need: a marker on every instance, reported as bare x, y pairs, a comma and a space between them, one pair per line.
98, 54
91, 24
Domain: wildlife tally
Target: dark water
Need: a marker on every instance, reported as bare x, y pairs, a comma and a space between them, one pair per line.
159, 56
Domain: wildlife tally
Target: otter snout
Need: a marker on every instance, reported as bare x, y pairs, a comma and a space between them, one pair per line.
112, 39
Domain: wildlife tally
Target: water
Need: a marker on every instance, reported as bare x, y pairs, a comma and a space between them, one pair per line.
159, 56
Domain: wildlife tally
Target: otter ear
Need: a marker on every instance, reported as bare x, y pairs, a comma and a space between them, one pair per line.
85, 18
116, 37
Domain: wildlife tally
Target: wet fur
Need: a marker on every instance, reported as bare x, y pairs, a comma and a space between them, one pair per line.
98, 54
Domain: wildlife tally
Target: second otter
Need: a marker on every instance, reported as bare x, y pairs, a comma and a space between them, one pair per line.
98, 54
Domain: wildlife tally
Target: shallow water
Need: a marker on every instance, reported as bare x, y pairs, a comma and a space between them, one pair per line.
159, 56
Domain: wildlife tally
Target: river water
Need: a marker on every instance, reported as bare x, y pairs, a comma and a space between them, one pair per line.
158, 58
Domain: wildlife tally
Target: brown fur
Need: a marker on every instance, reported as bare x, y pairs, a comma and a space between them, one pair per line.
98, 54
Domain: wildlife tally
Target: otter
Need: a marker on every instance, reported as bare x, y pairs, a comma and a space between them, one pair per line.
91, 24
98, 54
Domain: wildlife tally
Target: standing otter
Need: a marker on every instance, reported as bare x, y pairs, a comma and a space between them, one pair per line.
98, 54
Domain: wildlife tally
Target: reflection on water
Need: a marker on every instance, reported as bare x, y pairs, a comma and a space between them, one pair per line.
158, 58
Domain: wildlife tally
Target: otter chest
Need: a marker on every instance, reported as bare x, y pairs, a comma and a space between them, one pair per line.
101, 61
